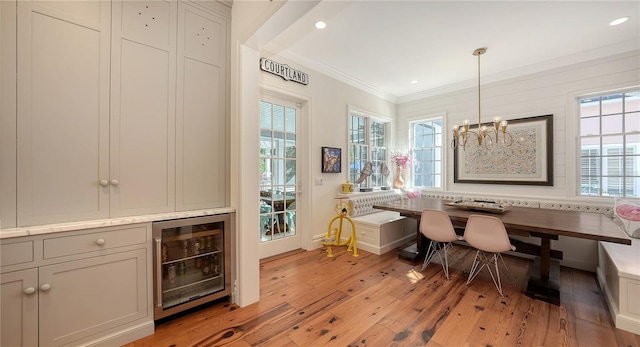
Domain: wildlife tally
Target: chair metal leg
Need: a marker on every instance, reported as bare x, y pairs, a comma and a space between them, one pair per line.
431, 252
497, 282
475, 270
506, 271
445, 265
476, 267
435, 248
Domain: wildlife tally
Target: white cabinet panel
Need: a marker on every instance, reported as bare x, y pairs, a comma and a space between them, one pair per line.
143, 108
19, 310
90, 296
148, 22
201, 163
63, 92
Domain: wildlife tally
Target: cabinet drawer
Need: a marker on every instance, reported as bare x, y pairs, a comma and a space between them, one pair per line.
93, 241
16, 253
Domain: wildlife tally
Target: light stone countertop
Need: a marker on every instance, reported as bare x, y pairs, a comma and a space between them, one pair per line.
99, 223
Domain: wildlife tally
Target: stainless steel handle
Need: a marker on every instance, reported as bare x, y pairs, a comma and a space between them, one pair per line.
158, 264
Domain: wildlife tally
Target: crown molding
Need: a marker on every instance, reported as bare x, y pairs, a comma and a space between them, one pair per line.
333, 73
551, 64
582, 57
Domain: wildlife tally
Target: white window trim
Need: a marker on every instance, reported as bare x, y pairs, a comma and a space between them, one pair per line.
389, 130
425, 118
573, 132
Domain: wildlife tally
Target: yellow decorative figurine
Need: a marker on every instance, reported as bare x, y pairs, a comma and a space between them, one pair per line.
343, 208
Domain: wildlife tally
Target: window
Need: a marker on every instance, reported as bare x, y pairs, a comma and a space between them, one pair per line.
367, 143
426, 144
610, 144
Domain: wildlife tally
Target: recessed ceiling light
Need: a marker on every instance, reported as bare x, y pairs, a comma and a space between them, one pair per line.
414, 81
321, 25
619, 21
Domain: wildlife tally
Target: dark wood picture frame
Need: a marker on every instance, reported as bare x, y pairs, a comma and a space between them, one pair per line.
506, 165
331, 160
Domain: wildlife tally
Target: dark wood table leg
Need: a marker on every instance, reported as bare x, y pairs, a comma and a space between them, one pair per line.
544, 279
415, 251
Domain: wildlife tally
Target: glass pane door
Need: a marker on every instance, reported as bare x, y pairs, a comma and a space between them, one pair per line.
277, 174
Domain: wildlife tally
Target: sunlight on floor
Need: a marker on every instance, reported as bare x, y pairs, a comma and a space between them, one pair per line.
414, 275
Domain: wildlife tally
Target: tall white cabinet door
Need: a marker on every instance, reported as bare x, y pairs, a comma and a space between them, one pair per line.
142, 178
19, 308
82, 298
201, 143
62, 110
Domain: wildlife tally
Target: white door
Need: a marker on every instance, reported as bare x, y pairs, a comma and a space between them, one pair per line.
278, 169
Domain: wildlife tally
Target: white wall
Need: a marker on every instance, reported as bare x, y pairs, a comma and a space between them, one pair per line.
549, 92
325, 103
327, 127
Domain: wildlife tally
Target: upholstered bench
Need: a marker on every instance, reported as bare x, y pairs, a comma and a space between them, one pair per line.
381, 232
378, 231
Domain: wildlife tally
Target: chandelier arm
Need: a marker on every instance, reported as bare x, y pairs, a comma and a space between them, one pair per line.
504, 138
488, 144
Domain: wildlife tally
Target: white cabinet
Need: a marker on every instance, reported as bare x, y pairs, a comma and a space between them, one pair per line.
142, 122
62, 111
619, 277
105, 89
19, 308
201, 125
84, 287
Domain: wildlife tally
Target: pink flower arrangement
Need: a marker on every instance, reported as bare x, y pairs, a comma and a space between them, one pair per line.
401, 159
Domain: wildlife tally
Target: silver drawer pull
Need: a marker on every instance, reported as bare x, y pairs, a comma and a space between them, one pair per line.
100, 242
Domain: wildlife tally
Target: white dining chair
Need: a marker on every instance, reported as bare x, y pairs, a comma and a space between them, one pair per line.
487, 234
436, 226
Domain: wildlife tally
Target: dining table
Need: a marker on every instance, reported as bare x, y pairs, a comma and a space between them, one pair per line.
544, 224
279, 203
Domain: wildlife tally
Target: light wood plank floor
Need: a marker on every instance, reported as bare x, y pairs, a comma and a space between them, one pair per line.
308, 299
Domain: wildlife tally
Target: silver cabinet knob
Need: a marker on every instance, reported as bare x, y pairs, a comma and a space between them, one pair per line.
100, 242
45, 287
114, 182
29, 290
104, 183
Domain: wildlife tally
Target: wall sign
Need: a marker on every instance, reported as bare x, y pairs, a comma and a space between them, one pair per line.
284, 71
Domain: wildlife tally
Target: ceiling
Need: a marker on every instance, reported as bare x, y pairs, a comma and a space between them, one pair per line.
381, 46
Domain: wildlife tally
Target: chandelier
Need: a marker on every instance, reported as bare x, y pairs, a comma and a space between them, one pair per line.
485, 135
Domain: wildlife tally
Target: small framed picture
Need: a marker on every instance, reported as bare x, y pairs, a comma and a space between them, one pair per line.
331, 160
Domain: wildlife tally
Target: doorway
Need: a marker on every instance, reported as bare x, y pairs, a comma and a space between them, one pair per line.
278, 176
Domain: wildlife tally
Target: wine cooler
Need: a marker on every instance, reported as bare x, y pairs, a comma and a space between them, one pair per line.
192, 262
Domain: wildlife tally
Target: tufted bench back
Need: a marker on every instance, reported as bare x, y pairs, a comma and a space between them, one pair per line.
363, 203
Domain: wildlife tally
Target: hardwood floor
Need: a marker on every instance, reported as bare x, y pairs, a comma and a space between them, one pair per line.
308, 299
